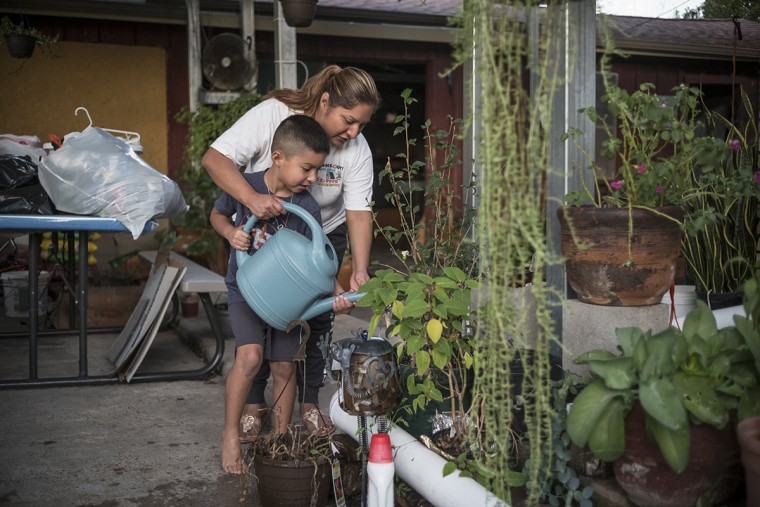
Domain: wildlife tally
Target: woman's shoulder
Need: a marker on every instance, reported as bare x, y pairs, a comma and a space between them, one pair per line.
268, 110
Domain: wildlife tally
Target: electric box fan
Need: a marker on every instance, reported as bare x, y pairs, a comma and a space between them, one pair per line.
226, 63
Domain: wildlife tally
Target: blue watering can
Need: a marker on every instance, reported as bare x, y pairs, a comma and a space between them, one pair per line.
287, 279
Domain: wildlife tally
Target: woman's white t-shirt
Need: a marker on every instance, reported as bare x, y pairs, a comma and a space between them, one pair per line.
343, 182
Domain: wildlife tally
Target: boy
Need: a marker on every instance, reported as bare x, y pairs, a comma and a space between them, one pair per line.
299, 148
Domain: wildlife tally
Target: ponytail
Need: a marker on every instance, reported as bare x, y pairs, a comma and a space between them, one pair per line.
347, 87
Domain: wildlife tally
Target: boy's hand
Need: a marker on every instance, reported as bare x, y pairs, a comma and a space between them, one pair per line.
240, 240
342, 305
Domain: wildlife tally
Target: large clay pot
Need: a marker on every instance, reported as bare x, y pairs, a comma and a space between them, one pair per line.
749, 440
714, 468
297, 483
595, 243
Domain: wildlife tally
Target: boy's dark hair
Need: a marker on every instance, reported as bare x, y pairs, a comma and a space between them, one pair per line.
299, 132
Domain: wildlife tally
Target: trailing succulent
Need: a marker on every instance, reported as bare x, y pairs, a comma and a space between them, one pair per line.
701, 375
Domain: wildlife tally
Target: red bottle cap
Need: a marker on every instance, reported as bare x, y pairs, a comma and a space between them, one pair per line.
380, 449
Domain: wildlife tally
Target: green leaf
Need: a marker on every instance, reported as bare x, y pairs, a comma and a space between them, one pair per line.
449, 468
441, 354
587, 409
617, 373
591, 355
607, 441
699, 322
422, 360
628, 337
415, 309
662, 401
673, 443
455, 273
699, 397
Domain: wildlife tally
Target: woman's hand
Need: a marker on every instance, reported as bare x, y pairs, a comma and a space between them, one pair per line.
239, 239
358, 278
264, 206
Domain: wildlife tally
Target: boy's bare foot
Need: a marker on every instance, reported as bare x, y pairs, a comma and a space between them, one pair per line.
232, 459
315, 422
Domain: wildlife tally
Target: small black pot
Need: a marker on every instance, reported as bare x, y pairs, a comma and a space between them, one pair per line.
718, 300
299, 13
20, 46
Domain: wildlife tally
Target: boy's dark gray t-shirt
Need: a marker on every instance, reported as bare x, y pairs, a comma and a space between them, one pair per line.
228, 206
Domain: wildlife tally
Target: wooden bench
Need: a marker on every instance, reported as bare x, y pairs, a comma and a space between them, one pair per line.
204, 282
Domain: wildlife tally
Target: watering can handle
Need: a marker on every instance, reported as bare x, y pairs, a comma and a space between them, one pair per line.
318, 237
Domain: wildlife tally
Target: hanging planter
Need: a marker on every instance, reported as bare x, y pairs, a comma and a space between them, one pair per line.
20, 46
21, 39
299, 13
608, 264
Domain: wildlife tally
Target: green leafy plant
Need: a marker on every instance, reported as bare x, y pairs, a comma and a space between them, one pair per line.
658, 148
722, 219
204, 125
8, 27
425, 301
699, 375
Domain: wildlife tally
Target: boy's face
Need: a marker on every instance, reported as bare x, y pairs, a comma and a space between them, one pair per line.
299, 171
342, 124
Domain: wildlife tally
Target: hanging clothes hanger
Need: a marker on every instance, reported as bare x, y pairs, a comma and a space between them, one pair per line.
131, 137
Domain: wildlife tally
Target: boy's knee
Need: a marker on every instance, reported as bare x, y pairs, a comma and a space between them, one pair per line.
249, 358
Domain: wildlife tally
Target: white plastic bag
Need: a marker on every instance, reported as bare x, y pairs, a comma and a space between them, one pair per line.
95, 173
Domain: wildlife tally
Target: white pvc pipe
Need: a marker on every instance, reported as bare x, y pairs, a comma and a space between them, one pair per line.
420, 467
724, 317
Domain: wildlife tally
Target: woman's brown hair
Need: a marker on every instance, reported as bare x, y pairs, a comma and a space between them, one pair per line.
348, 87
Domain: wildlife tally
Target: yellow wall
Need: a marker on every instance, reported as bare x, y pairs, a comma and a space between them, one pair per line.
123, 87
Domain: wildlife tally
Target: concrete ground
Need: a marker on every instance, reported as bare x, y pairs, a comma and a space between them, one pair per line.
137, 444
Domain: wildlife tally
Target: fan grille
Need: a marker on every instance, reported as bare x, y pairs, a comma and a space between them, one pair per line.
225, 62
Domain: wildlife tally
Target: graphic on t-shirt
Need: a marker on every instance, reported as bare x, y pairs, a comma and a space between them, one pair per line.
330, 175
261, 235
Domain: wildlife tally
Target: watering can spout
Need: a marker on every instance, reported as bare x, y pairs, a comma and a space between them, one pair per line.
325, 305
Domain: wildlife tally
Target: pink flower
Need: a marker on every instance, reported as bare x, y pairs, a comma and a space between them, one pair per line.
616, 184
642, 169
659, 189
735, 145
757, 177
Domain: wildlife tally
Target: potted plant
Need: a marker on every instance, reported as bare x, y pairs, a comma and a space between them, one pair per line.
665, 408
192, 233
21, 39
424, 300
621, 239
298, 13
722, 222
291, 468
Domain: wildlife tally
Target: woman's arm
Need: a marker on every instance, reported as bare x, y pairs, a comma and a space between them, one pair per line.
227, 177
360, 237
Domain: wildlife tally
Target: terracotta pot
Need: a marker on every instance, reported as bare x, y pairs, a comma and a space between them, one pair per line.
749, 441
292, 483
595, 266
714, 468
299, 13
20, 46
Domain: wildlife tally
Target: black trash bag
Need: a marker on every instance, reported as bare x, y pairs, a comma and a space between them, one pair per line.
17, 171
27, 200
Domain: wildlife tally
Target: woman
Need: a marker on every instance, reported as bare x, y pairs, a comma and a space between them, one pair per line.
342, 100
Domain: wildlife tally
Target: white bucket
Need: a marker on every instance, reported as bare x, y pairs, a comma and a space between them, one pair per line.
16, 293
684, 301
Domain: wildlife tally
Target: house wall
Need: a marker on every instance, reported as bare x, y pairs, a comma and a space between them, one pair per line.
140, 70
666, 73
